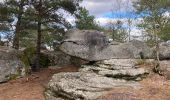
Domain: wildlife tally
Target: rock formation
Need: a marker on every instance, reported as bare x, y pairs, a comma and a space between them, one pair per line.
127, 69
82, 86
114, 65
95, 46
10, 64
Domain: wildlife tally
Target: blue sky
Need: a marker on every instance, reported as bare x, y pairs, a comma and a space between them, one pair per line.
107, 11
104, 8
124, 14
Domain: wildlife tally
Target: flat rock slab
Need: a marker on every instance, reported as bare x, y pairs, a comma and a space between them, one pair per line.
128, 69
82, 86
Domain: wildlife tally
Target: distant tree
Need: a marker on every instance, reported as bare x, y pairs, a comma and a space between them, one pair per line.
86, 21
131, 16
118, 32
165, 32
15, 10
5, 23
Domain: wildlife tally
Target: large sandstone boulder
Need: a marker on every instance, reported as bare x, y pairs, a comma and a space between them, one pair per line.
127, 69
10, 64
82, 86
95, 46
164, 52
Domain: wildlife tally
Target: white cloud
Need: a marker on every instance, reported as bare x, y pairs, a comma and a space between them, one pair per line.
100, 7
135, 32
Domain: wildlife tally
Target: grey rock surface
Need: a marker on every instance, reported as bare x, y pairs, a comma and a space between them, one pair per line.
94, 46
60, 59
127, 69
82, 86
57, 58
10, 64
164, 52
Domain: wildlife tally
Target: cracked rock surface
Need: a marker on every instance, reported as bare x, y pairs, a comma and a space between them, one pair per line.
82, 86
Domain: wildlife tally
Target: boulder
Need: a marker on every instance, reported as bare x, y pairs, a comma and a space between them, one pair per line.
127, 69
164, 52
60, 59
82, 86
93, 45
10, 64
57, 58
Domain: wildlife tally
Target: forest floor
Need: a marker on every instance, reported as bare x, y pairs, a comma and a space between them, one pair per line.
33, 86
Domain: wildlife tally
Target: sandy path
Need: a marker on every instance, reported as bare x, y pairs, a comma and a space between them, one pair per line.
31, 87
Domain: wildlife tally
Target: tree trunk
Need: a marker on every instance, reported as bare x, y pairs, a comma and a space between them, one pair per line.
16, 34
129, 29
38, 48
157, 67
18, 25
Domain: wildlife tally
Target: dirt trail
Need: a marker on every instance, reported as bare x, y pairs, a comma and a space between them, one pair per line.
30, 87
154, 87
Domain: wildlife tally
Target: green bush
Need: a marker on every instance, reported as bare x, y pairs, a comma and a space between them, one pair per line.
44, 60
29, 53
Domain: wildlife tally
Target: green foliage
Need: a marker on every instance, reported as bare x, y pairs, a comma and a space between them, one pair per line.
26, 13
28, 38
155, 22
4, 18
151, 42
165, 32
86, 21
44, 60
23, 57
46, 16
40, 17
28, 55
118, 32
154, 14
12, 76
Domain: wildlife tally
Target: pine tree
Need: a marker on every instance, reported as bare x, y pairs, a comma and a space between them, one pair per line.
15, 9
5, 19
86, 21
154, 20
45, 15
